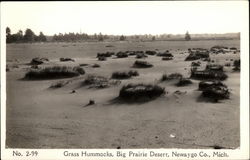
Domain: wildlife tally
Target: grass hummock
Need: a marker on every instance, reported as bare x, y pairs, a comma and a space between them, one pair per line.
142, 64
124, 75
54, 72
140, 92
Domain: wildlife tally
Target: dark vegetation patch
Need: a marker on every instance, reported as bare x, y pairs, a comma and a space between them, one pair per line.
236, 65
96, 66
142, 64
140, 92
124, 75
148, 52
99, 82
141, 55
102, 58
212, 72
38, 61
121, 55
171, 76
167, 58
54, 72
196, 64
67, 59
59, 84
183, 82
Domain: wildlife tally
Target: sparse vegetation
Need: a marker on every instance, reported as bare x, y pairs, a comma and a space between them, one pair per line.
171, 76
142, 64
99, 82
54, 72
38, 61
124, 75
66, 59
140, 92
184, 82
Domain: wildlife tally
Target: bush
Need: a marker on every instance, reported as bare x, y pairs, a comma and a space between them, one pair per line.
66, 59
151, 52
59, 84
37, 61
140, 92
208, 75
96, 66
214, 67
197, 55
99, 82
184, 82
196, 64
141, 55
102, 58
172, 76
165, 54
54, 72
236, 65
121, 55
142, 64
207, 84
124, 75
167, 58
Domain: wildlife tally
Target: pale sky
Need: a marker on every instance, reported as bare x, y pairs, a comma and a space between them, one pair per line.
126, 17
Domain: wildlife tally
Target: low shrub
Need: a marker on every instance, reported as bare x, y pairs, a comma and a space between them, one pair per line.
150, 52
140, 92
38, 61
184, 82
142, 64
66, 59
54, 72
99, 82
121, 55
96, 66
59, 84
167, 58
171, 76
102, 58
124, 75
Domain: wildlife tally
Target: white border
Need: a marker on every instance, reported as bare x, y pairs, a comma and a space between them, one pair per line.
241, 153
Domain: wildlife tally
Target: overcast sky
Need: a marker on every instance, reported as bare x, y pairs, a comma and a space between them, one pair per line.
125, 17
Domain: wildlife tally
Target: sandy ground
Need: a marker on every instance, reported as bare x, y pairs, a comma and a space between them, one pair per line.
40, 117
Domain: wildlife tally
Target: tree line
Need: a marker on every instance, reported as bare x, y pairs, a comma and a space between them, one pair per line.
28, 36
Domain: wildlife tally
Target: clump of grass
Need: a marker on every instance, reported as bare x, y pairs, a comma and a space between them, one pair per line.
150, 52
38, 61
236, 65
102, 58
124, 75
140, 92
66, 59
99, 82
121, 55
142, 64
167, 58
141, 55
184, 82
171, 76
54, 72
59, 84
96, 66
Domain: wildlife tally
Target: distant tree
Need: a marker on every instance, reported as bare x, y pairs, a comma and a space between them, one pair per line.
100, 37
122, 38
8, 35
153, 38
187, 36
29, 36
42, 37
